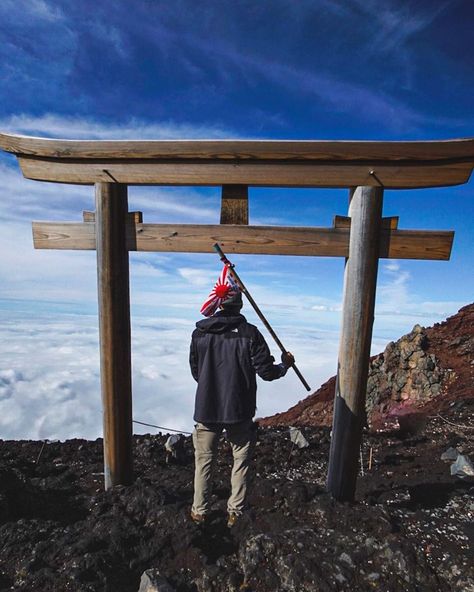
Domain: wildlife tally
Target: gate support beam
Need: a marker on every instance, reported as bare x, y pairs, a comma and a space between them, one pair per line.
360, 277
114, 328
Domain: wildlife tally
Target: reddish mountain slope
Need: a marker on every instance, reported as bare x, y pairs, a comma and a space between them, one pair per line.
427, 369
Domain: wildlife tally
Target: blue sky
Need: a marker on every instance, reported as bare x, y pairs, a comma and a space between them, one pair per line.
320, 69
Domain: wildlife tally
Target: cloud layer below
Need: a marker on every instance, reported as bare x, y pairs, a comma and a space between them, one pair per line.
49, 376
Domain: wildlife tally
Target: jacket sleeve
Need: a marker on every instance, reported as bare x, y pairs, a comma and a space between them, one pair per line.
193, 360
263, 361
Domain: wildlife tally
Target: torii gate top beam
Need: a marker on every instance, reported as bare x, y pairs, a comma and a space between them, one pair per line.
283, 163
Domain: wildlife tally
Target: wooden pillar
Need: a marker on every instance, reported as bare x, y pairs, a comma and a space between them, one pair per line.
114, 327
360, 277
235, 204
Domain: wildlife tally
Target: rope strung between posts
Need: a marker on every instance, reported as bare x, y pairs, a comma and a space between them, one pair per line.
456, 425
161, 427
134, 421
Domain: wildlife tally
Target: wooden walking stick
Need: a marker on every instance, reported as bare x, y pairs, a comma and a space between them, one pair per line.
244, 290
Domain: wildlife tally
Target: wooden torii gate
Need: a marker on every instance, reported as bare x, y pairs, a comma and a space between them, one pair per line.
364, 236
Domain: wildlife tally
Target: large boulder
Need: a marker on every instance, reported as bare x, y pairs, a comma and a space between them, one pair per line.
402, 379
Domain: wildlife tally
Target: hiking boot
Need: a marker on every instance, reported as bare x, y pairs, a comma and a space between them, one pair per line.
198, 518
232, 519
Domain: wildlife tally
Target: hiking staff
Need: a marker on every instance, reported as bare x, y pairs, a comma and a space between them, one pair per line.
243, 289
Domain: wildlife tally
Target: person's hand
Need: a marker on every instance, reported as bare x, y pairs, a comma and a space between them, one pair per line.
287, 359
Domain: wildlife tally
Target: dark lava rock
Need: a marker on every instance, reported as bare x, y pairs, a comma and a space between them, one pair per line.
410, 528
153, 581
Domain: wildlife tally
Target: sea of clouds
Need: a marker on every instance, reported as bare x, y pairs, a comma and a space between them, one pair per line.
50, 380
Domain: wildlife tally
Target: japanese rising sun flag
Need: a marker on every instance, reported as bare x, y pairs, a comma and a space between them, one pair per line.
225, 288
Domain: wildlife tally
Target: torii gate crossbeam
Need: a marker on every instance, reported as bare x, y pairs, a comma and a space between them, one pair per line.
362, 238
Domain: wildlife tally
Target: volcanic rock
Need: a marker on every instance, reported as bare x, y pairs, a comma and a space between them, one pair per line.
450, 454
153, 581
422, 373
462, 467
411, 522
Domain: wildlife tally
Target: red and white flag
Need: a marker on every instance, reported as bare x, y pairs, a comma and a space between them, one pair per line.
225, 288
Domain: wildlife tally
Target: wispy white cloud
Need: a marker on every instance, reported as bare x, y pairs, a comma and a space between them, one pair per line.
327, 307
37, 9
43, 9
384, 30
25, 200
399, 304
396, 23
185, 205
393, 294
53, 125
335, 92
391, 266
31, 274
199, 278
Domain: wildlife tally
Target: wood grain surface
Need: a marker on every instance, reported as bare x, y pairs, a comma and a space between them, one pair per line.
235, 204
114, 331
265, 240
462, 148
360, 280
255, 173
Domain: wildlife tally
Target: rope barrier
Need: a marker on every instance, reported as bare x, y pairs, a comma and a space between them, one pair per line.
456, 425
161, 427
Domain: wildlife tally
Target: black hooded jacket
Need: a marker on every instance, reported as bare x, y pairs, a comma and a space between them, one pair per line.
226, 354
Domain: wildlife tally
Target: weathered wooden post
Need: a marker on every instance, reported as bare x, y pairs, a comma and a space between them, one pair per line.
360, 277
114, 328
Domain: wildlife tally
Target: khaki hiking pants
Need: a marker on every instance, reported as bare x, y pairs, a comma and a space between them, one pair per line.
242, 437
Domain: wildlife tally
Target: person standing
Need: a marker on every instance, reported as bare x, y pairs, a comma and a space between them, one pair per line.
226, 354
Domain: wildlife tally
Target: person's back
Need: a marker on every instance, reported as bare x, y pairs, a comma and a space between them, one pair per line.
226, 354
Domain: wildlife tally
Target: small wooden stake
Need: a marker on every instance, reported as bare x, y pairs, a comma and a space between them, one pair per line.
370, 457
360, 279
114, 327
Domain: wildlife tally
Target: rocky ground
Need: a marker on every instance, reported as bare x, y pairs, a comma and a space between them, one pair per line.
411, 528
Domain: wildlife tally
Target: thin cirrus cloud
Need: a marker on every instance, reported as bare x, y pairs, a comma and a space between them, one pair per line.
334, 92
74, 127
331, 86
34, 9
213, 65
395, 23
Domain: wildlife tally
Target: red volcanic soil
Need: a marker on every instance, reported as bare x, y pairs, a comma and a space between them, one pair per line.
450, 344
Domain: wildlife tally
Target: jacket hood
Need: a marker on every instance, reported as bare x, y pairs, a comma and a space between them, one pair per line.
221, 322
